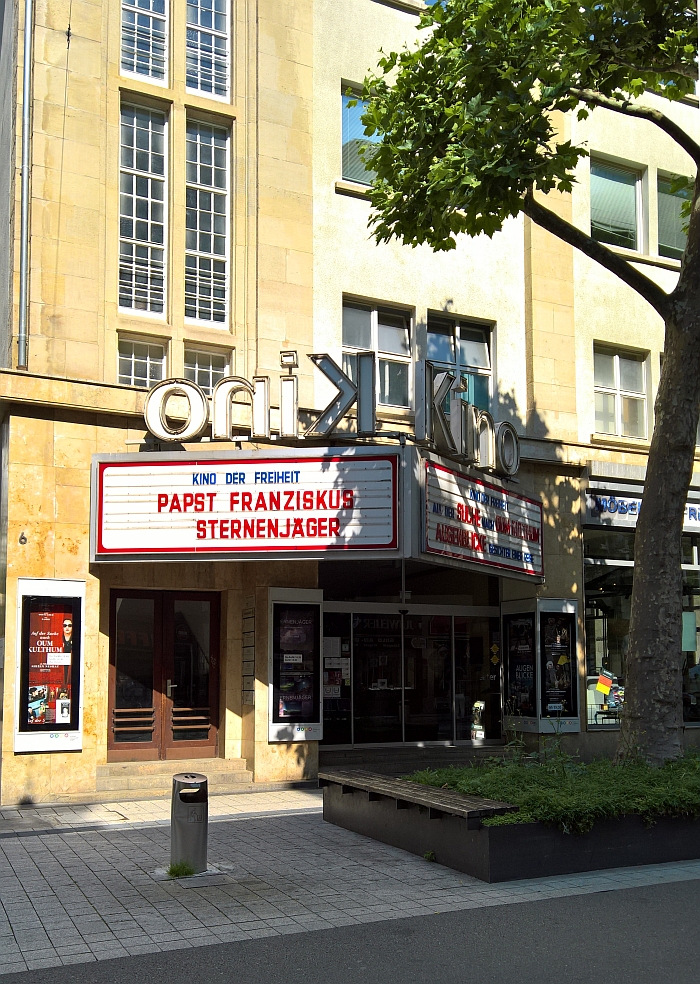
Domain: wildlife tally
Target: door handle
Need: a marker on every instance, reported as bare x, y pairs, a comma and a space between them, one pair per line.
169, 687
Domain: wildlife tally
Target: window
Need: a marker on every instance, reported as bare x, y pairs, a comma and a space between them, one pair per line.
354, 137
206, 235
205, 368
144, 41
140, 363
385, 331
672, 236
462, 347
207, 46
614, 205
142, 210
620, 393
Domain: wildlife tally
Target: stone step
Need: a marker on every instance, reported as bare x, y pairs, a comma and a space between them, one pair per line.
170, 767
158, 785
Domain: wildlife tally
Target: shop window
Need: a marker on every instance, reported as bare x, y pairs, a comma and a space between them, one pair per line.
464, 348
144, 38
620, 393
354, 138
205, 368
615, 196
208, 47
142, 210
141, 364
387, 332
206, 234
672, 235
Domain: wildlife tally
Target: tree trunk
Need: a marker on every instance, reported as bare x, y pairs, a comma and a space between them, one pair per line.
652, 717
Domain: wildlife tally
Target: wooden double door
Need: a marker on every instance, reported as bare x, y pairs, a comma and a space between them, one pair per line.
163, 675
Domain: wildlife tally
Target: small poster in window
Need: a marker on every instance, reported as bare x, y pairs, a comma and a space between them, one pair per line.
558, 664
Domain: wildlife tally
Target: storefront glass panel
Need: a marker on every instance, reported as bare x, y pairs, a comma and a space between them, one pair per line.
428, 677
134, 656
377, 651
337, 698
477, 678
189, 686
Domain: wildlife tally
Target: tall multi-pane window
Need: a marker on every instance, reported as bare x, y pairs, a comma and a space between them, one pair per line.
206, 236
463, 348
142, 210
354, 138
614, 205
144, 38
208, 46
205, 368
620, 393
386, 331
141, 364
672, 235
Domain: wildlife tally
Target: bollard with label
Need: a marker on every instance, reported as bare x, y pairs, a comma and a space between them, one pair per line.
189, 818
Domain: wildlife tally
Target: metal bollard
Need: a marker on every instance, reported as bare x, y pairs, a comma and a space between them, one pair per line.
189, 820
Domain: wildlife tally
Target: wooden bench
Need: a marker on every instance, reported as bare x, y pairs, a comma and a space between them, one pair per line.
438, 802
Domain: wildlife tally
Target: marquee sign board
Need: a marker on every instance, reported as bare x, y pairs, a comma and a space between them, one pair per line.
471, 520
247, 505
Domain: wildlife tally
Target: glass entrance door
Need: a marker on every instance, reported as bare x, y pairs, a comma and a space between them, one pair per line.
164, 673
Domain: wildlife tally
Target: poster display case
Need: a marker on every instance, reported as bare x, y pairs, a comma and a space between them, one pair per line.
540, 643
295, 704
49, 707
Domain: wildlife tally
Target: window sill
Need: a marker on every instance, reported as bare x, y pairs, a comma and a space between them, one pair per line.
409, 6
658, 261
352, 189
621, 443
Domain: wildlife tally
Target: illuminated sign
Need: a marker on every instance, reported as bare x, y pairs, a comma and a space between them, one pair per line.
606, 508
342, 500
470, 520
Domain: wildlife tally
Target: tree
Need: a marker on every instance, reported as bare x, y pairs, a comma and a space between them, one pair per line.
467, 124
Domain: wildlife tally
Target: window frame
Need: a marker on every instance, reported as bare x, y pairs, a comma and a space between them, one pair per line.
198, 350
132, 74
640, 212
458, 322
354, 94
228, 34
214, 325
618, 393
665, 177
380, 356
141, 340
134, 311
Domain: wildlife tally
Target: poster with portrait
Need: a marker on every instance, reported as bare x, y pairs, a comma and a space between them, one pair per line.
519, 649
50, 664
558, 664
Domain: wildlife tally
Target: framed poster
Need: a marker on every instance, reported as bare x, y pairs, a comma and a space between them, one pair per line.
49, 665
295, 712
558, 677
520, 655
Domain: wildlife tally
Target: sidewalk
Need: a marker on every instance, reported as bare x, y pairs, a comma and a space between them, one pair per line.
80, 884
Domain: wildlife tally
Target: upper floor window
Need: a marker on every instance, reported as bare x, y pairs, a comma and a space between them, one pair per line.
672, 236
620, 393
386, 331
463, 347
142, 210
208, 46
206, 235
614, 205
354, 137
205, 368
144, 38
141, 364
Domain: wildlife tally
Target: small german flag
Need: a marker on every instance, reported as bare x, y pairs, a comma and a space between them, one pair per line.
605, 681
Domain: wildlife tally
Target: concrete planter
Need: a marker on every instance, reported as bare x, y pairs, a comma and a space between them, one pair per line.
513, 851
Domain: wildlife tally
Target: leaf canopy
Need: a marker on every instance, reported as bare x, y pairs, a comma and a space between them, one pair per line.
467, 120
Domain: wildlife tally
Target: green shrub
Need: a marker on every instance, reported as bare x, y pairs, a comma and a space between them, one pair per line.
183, 869
573, 796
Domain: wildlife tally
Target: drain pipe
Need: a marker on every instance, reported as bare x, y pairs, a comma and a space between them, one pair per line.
22, 334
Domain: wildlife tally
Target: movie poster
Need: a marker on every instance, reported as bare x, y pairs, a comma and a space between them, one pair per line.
558, 662
49, 655
296, 663
519, 648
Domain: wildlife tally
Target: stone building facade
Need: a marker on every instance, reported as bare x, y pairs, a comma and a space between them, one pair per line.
195, 209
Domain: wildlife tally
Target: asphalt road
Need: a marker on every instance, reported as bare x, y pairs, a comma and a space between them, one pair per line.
642, 936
